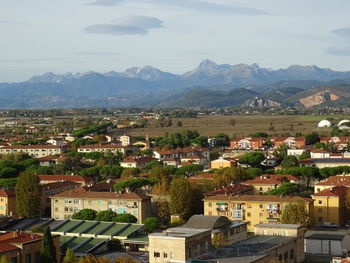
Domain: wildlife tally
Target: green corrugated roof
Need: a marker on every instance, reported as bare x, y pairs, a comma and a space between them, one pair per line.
89, 245
83, 226
129, 230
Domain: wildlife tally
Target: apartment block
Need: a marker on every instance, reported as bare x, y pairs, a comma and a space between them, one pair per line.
253, 209
33, 150
64, 205
7, 202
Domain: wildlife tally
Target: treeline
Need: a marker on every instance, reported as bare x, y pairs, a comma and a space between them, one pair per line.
96, 128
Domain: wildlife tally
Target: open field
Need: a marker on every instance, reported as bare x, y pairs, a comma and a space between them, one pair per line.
244, 125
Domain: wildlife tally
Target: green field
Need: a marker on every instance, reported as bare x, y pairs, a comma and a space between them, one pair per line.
244, 125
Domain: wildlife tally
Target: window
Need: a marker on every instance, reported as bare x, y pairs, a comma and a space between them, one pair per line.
14, 260
261, 215
249, 206
100, 202
248, 214
210, 213
90, 202
318, 189
165, 255
56, 209
319, 202
156, 254
209, 204
320, 210
261, 206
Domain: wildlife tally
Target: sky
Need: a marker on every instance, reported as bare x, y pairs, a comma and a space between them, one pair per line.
39, 36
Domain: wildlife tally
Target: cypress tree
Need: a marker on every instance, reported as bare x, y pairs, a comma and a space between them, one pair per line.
48, 250
28, 194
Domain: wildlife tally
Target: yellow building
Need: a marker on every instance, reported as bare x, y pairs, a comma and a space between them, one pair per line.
330, 206
65, 204
253, 209
7, 202
332, 181
223, 163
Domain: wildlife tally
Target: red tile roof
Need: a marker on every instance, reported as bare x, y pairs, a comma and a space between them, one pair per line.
335, 180
108, 146
82, 193
232, 189
138, 159
6, 193
339, 190
57, 185
272, 179
31, 147
8, 240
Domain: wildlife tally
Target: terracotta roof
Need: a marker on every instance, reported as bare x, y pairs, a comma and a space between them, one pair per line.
231, 189
257, 198
279, 139
272, 179
338, 191
319, 151
6, 193
193, 157
82, 193
74, 178
248, 138
138, 159
57, 185
8, 240
108, 146
335, 180
31, 147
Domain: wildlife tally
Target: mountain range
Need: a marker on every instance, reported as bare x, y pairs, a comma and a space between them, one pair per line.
209, 84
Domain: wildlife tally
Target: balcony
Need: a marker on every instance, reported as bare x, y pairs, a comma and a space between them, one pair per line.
273, 210
237, 214
272, 219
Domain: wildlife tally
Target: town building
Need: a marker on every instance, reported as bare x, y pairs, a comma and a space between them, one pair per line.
179, 153
266, 182
22, 247
50, 160
136, 161
253, 209
64, 205
125, 140
340, 142
331, 206
7, 202
325, 162
105, 148
247, 143
331, 182
32, 150
223, 163
52, 178
291, 142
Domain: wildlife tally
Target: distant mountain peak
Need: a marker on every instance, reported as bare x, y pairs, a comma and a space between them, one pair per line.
207, 63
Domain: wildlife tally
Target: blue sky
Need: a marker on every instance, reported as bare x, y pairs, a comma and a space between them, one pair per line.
39, 36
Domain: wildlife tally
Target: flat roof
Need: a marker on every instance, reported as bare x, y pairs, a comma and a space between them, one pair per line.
180, 232
291, 226
326, 236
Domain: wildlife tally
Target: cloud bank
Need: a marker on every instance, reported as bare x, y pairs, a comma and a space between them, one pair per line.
128, 25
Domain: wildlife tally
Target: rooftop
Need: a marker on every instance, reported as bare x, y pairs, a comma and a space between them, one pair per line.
339, 190
8, 240
257, 198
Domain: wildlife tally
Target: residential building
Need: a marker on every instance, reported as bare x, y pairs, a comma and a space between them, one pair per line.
331, 206
105, 148
341, 142
253, 209
125, 140
64, 205
7, 202
162, 155
223, 163
83, 180
331, 182
50, 160
171, 162
325, 162
319, 153
194, 159
266, 182
136, 161
271, 243
295, 152
181, 244
21, 247
56, 141
291, 142
247, 143
32, 150
50, 189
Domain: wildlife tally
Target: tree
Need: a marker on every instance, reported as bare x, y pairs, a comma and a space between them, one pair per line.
69, 257
189, 170
48, 250
286, 189
281, 152
163, 210
151, 224
226, 176
85, 214
28, 194
252, 159
93, 259
295, 213
126, 259
312, 138
134, 184
125, 218
290, 161
180, 197
106, 215
304, 155
130, 172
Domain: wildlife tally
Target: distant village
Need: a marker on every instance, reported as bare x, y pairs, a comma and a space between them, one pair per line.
100, 192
